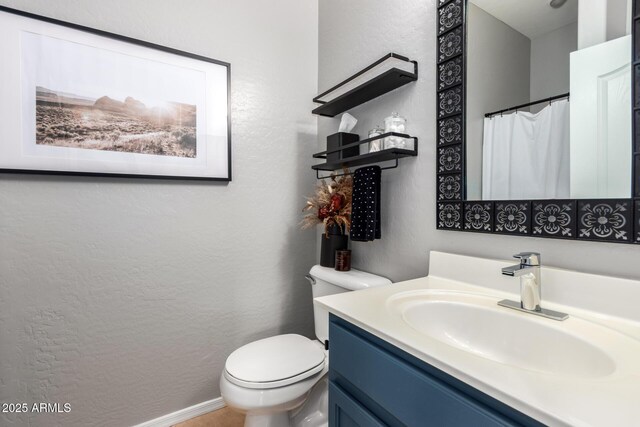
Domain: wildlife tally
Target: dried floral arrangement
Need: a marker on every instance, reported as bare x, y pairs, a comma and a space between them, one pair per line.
331, 204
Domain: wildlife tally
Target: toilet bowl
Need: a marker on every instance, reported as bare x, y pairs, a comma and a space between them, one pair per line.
278, 380
281, 381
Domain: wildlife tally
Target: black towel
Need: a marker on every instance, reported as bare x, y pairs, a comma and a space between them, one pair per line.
365, 208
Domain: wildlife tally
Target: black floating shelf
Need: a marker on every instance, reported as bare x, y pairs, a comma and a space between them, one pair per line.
378, 85
368, 158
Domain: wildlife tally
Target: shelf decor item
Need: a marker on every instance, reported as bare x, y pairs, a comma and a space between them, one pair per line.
343, 260
332, 243
375, 145
81, 101
330, 207
395, 123
336, 141
343, 137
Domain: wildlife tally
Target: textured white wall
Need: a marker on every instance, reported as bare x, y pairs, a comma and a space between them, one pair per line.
353, 34
124, 297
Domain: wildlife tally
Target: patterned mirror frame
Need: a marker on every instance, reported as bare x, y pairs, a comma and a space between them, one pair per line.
601, 220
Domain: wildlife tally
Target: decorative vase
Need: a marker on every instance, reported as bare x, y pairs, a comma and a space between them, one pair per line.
334, 240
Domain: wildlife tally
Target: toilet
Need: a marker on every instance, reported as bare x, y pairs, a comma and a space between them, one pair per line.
281, 381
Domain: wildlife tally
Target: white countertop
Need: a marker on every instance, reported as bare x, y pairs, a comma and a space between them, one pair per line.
556, 400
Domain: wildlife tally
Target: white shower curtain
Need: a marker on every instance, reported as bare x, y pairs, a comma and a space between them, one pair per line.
526, 156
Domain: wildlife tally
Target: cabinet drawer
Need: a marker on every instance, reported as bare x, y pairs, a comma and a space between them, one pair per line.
345, 411
411, 395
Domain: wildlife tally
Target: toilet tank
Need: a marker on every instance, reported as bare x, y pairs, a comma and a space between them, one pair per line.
328, 281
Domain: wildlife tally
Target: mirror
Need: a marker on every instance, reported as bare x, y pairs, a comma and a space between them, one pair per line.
548, 99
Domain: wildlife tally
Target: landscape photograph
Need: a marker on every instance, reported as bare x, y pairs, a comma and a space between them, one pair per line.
104, 123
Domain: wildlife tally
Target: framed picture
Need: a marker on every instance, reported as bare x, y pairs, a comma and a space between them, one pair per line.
79, 101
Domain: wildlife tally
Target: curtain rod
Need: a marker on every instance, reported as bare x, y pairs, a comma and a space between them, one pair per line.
518, 107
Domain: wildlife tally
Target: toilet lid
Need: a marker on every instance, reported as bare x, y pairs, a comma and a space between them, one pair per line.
274, 361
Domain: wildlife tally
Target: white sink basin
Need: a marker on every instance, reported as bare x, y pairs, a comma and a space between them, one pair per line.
476, 324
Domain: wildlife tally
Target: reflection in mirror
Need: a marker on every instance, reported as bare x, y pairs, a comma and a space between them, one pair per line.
566, 68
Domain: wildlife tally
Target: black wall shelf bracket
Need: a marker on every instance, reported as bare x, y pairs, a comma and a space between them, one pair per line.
378, 85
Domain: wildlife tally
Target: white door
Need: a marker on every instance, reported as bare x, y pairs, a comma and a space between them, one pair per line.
601, 120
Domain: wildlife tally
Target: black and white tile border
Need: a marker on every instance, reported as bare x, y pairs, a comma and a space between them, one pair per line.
450, 16
450, 131
450, 102
636, 174
450, 159
512, 217
478, 216
605, 220
450, 73
449, 187
450, 44
450, 216
608, 220
450, 111
637, 221
554, 218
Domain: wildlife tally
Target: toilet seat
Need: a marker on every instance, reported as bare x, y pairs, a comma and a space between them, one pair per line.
274, 362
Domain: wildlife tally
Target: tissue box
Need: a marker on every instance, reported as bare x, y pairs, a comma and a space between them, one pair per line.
339, 139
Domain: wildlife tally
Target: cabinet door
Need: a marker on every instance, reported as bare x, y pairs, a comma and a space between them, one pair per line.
415, 394
345, 411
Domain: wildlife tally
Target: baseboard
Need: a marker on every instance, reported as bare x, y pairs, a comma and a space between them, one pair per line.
185, 414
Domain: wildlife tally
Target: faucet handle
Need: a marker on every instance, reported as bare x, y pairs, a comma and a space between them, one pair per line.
528, 258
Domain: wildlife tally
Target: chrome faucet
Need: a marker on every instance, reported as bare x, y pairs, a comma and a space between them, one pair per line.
529, 273
530, 286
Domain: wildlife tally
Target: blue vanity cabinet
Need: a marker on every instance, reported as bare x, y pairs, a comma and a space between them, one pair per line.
373, 383
348, 412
